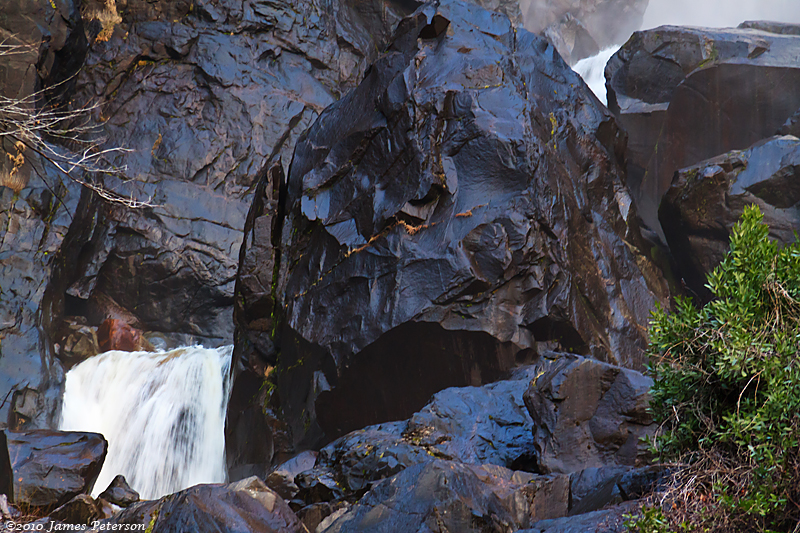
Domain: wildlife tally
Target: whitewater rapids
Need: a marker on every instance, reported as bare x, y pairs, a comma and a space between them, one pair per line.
162, 413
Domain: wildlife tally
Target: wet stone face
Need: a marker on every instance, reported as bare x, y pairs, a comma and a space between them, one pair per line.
462, 205
689, 94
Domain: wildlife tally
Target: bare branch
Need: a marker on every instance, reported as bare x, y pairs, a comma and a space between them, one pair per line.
29, 124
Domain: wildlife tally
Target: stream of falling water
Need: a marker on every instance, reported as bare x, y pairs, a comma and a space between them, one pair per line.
162, 413
592, 70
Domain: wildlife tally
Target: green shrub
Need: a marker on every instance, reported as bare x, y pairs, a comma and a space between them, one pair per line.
727, 388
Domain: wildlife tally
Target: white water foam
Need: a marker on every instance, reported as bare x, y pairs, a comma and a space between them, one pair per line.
162, 413
592, 70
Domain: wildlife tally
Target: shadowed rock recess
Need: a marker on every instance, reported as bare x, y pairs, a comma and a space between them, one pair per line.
459, 211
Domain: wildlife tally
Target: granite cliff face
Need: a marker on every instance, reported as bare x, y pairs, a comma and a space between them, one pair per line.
425, 226
201, 95
461, 209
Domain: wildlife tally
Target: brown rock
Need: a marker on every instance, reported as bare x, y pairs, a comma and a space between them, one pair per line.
113, 334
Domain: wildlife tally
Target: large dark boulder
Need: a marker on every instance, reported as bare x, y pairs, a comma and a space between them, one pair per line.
244, 506
202, 94
707, 199
589, 414
473, 425
52, 467
688, 94
461, 209
448, 496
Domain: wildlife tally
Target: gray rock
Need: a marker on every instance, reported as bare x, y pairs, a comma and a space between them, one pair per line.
248, 505
444, 495
589, 414
706, 200
688, 94
119, 492
608, 22
571, 38
464, 204
34, 221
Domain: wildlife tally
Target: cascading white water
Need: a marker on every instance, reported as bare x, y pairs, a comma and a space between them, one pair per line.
592, 71
162, 413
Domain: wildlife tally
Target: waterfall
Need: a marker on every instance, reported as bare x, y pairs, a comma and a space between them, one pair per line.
592, 70
162, 413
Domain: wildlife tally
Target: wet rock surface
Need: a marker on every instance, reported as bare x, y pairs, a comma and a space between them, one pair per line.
610, 520
246, 505
422, 244
687, 94
473, 425
456, 497
589, 414
203, 95
119, 492
489, 498
47, 46
34, 221
52, 467
706, 200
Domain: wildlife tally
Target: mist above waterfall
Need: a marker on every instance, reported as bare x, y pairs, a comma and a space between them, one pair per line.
718, 13
163, 415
